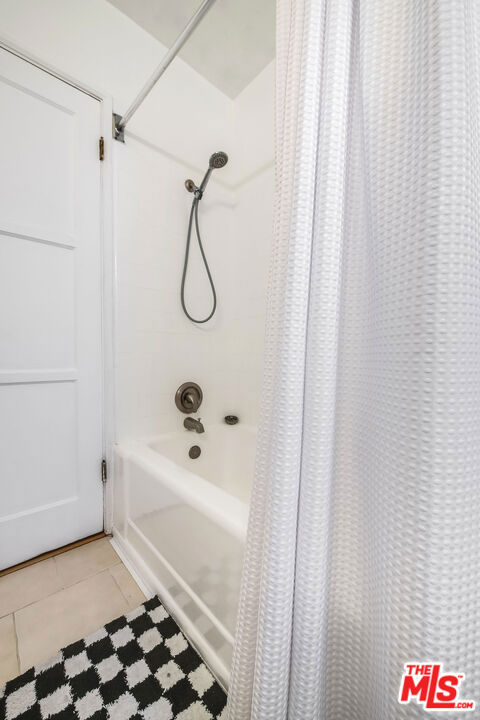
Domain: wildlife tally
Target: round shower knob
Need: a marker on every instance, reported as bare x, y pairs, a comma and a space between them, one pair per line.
188, 397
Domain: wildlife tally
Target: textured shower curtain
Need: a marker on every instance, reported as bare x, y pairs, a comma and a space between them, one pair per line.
363, 548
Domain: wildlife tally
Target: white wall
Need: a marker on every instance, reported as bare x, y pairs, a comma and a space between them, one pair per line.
183, 121
253, 118
158, 347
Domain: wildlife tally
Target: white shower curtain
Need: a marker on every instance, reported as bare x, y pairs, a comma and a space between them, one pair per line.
363, 548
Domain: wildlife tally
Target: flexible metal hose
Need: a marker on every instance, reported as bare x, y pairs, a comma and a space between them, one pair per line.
194, 216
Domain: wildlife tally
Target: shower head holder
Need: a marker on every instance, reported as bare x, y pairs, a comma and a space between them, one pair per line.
192, 188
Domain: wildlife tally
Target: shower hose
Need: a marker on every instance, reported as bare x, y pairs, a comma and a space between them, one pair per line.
194, 217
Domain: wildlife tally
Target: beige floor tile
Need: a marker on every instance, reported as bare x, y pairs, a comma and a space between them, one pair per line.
8, 650
128, 586
85, 561
48, 625
28, 585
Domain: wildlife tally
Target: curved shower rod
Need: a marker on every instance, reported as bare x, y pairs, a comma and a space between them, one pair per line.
120, 121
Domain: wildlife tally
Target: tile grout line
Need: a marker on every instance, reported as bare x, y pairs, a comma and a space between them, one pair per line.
57, 573
17, 651
118, 585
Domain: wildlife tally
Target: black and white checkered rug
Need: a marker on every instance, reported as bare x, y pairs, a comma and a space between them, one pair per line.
138, 667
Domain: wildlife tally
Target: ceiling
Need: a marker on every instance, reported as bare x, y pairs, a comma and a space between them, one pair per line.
232, 44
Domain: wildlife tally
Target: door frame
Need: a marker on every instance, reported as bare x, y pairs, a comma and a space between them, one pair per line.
108, 270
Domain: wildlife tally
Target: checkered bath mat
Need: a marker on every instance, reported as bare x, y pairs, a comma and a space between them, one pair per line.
138, 667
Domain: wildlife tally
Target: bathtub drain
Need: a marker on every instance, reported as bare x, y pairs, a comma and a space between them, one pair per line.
194, 452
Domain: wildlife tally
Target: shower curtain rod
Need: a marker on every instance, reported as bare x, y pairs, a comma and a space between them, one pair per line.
120, 121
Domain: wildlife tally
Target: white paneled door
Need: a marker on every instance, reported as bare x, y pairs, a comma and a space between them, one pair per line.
50, 313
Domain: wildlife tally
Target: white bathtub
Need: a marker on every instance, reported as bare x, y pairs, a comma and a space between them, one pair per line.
180, 525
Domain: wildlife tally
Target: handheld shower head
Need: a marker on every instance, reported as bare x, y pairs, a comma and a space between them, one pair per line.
218, 160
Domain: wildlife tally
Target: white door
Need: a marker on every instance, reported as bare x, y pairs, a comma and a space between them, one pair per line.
50, 313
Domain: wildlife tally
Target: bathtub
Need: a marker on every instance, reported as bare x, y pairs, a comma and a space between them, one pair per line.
180, 526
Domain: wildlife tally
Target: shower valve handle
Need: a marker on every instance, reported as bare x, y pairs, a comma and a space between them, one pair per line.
188, 397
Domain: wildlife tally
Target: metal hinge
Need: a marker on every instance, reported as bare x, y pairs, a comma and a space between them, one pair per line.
104, 471
101, 148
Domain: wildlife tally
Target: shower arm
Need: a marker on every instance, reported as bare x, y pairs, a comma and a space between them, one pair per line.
120, 121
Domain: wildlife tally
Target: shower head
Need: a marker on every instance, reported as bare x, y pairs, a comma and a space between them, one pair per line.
218, 160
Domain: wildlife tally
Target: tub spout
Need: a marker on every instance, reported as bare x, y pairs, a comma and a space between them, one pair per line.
191, 424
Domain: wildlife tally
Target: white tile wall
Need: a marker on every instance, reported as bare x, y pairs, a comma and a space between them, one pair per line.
158, 348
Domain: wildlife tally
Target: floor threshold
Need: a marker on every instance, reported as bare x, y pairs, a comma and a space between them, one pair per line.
52, 553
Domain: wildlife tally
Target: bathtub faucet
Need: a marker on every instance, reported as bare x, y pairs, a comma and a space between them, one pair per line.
191, 424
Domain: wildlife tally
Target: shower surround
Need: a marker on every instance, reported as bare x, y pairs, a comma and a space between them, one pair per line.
181, 522
158, 348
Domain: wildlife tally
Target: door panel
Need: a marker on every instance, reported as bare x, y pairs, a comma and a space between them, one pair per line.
49, 196
40, 445
38, 288
50, 313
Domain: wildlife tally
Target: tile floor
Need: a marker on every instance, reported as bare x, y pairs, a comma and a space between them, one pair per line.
57, 601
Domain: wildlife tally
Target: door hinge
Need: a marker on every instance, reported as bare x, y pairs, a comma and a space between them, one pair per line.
104, 471
101, 148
